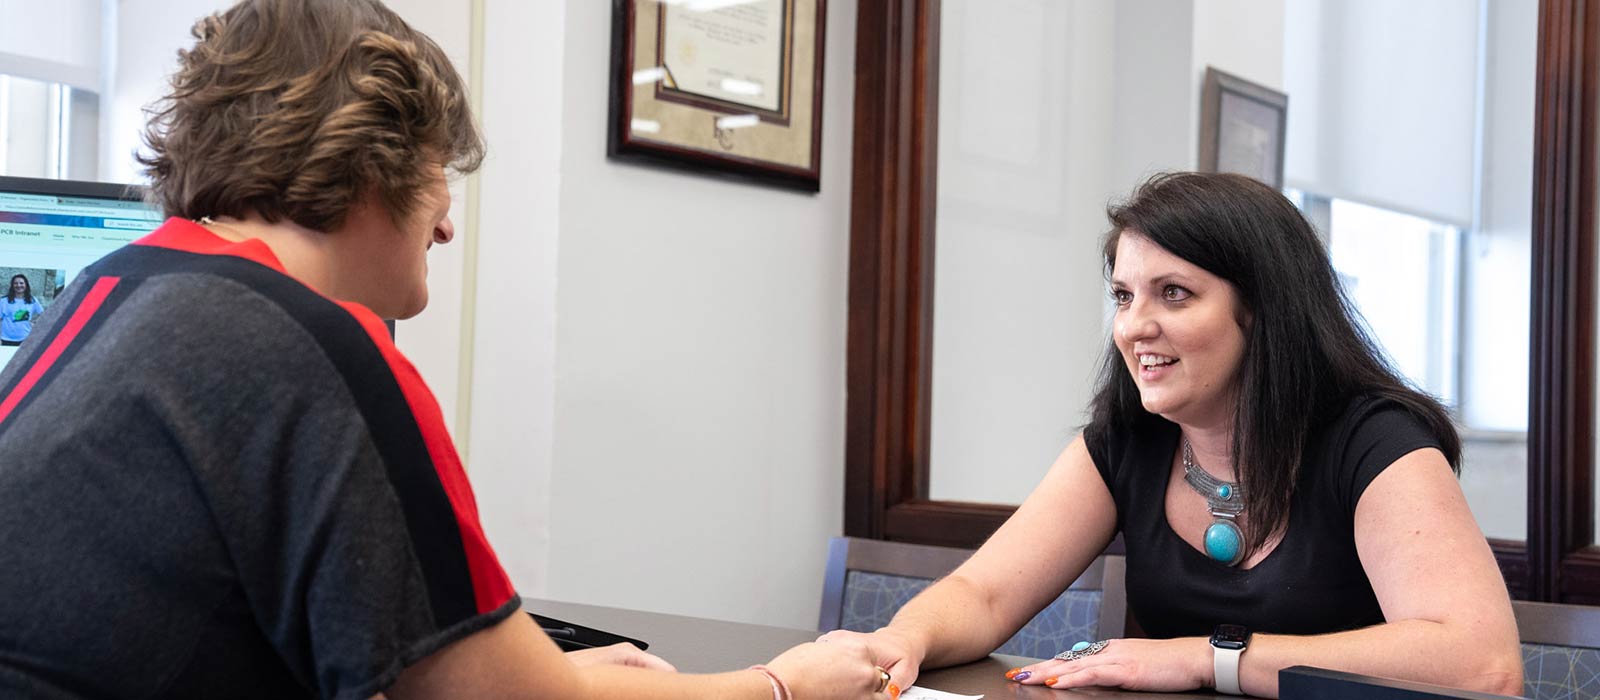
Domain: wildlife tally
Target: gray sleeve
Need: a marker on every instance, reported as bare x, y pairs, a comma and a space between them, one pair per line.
312, 513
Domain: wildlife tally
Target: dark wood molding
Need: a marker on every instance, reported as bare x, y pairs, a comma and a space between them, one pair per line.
947, 523
1580, 577
891, 244
1561, 343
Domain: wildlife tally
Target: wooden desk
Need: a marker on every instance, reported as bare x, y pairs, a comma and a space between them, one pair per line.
697, 645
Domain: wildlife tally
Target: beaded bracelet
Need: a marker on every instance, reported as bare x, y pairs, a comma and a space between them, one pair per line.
779, 690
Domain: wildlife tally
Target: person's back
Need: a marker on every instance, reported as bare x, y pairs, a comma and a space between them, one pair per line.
218, 477
191, 444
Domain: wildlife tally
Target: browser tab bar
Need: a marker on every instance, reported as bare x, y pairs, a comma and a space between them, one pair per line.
103, 203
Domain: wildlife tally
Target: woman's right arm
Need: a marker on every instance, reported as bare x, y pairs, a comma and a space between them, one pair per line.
513, 660
1062, 526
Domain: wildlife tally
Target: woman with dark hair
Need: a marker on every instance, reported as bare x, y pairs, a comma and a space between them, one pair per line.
18, 312
219, 478
1284, 497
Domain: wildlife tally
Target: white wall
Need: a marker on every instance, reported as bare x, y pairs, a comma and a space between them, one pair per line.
1039, 129
432, 340
1024, 159
1242, 37
700, 347
149, 35
1153, 106
26, 149
513, 350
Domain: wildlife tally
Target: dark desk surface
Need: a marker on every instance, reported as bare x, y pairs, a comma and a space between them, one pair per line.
697, 645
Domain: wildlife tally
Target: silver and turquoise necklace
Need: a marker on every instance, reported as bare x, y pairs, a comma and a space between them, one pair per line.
1224, 540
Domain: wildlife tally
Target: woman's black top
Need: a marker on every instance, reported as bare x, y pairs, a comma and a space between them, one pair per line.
1311, 583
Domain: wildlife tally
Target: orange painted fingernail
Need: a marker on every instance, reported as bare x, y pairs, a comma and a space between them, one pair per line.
894, 691
1012, 672
1050, 681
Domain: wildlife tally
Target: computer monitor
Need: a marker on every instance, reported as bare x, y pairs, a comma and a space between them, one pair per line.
49, 231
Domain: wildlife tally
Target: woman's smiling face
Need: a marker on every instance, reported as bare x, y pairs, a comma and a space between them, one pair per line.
1180, 330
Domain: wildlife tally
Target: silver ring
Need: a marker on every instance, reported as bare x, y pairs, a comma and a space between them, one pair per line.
1074, 655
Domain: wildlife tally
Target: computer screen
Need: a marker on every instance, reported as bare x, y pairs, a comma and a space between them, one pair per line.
49, 231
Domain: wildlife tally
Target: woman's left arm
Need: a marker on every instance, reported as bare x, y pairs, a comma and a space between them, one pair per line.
1449, 616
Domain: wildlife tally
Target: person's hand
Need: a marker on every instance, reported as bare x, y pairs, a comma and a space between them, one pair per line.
838, 669
890, 650
1157, 665
619, 654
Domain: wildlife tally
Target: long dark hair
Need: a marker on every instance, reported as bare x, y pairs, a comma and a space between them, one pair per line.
27, 294
1306, 354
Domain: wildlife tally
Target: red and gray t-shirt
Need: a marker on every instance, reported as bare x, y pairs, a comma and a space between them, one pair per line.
215, 482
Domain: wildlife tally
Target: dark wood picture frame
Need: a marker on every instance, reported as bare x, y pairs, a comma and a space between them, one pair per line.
796, 118
1223, 99
889, 368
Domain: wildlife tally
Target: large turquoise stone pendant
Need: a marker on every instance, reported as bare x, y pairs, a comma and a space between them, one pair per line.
1224, 542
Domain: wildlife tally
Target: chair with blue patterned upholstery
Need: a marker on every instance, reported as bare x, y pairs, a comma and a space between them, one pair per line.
867, 581
1560, 650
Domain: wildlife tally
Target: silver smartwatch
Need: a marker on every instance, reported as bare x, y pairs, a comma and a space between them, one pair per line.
1227, 645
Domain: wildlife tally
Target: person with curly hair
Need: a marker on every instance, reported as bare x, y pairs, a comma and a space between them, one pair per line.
219, 478
18, 312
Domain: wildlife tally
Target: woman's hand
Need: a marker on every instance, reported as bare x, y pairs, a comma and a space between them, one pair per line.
841, 668
619, 654
890, 649
1157, 665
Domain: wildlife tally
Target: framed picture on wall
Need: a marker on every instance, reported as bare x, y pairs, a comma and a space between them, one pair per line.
1243, 126
723, 87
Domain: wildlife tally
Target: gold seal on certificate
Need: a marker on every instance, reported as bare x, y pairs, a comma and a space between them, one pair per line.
729, 87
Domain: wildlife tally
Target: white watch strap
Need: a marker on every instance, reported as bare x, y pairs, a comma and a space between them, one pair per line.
1225, 665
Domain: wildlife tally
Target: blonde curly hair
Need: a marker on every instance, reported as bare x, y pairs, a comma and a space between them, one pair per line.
297, 109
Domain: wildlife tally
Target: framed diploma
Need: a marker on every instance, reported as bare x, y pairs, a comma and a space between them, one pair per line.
1243, 127
724, 87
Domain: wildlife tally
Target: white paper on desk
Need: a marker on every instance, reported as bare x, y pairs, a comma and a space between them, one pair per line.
915, 693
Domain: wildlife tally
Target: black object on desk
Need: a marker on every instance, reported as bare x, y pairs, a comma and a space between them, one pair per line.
1307, 683
572, 637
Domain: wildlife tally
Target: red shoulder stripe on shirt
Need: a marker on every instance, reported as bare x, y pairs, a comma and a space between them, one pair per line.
80, 317
491, 586
190, 237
